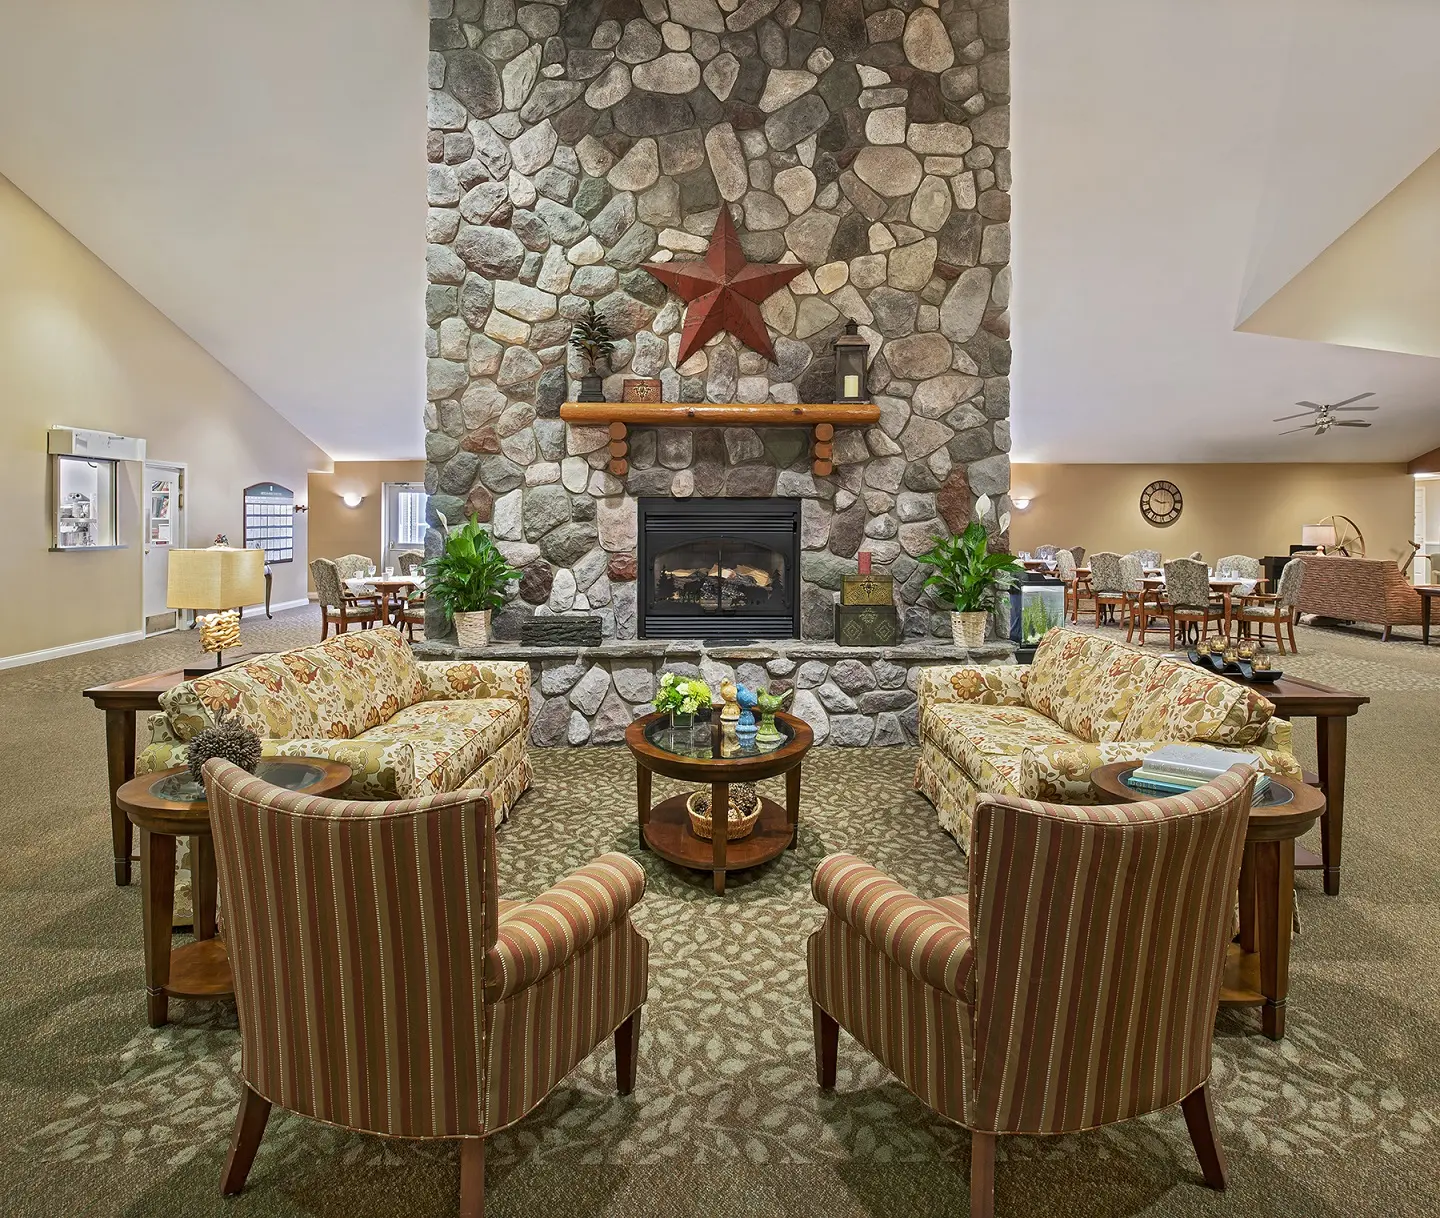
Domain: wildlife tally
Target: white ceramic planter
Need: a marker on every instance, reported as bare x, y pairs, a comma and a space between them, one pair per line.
473, 629
969, 629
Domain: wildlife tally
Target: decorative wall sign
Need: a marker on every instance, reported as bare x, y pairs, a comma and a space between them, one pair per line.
724, 291
1161, 503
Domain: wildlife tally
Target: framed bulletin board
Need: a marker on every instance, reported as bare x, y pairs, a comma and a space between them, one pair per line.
270, 521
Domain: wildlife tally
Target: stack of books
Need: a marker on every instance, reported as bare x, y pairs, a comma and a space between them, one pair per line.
1183, 767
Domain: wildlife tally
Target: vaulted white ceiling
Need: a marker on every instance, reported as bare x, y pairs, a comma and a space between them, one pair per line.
256, 170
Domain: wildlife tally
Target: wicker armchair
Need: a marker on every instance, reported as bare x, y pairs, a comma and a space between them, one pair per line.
1187, 597
1052, 997
338, 606
1278, 609
383, 987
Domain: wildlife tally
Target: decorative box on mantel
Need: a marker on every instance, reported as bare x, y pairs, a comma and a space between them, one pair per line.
823, 417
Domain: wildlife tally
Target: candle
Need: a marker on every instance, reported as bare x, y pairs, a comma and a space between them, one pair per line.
864, 560
852, 386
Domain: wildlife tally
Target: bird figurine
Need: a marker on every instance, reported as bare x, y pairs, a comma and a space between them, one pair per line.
769, 704
745, 726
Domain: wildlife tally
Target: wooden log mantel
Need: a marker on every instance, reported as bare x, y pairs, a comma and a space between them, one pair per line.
823, 417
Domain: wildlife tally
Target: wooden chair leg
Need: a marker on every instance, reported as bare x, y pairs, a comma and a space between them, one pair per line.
324, 624
472, 1178
827, 1047
627, 1041
1290, 626
982, 1175
1200, 1120
245, 1141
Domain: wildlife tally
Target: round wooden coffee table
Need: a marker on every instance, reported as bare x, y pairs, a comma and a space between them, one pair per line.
171, 804
1257, 968
697, 755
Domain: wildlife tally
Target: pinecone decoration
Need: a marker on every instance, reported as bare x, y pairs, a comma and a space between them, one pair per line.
744, 798
228, 738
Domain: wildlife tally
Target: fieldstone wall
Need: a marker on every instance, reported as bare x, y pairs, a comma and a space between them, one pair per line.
570, 142
852, 698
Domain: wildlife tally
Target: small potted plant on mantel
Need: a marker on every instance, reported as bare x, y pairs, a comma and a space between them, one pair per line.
468, 579
593, 339
968, 578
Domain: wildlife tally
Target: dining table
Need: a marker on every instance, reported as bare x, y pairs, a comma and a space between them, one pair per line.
388, 588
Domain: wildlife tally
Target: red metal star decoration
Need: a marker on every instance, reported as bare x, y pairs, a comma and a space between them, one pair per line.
724, 291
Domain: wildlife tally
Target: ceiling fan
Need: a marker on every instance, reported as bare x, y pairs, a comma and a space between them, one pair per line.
1322, 418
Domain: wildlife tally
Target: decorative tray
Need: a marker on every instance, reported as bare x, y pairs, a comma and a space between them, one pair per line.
1243, 669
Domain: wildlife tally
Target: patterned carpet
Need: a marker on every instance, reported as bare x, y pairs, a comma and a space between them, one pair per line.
103, 1116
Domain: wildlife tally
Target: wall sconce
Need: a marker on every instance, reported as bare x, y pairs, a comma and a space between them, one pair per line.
301, 507
353, 499
1020, 504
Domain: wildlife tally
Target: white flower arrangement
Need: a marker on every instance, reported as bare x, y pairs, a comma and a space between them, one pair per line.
684, 695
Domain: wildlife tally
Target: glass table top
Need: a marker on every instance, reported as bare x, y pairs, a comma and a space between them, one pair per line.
287, 772
1275, 794
698, 744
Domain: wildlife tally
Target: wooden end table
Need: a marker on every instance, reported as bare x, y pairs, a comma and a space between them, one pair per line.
1428, 592
170, 804
696, 756
120, 700
1257, 968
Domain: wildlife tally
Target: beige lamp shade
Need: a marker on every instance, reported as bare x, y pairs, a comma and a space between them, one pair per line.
1317, 535
220, 577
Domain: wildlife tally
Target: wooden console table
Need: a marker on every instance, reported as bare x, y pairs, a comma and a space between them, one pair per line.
120, 700
1296, 698
822, 417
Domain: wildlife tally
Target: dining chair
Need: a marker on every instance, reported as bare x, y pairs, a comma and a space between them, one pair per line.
1143, 602
1045, 552
1239, 566
1074, 985
1276, 609
1078, 552
1066, 573
353, 566
1149, 559
338, 606
383, 987
410, 562
1187, 600
1197, 556
1107, 584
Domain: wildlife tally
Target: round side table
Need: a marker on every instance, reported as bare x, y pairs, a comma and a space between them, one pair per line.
693, 755
171, 804
1257, 967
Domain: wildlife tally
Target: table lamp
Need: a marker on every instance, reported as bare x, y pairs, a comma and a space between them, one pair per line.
1317, 535
220, 578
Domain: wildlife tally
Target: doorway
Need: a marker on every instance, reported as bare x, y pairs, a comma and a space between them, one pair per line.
164, 531
402, 521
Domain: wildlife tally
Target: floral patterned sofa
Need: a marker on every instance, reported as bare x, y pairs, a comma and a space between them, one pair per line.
1038, 731
405, 727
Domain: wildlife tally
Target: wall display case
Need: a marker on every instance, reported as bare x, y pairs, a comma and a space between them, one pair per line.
83, 503
270, 521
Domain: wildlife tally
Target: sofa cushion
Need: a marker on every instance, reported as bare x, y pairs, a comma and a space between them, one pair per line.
1180, 702
450, 740
987, 742
332, 690
1089, 686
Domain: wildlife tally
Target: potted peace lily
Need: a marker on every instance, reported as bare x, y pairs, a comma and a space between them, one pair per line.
681, 697
468, 579
968, 578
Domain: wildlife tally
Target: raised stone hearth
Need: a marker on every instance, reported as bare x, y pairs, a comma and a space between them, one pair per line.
571, 142
849, 695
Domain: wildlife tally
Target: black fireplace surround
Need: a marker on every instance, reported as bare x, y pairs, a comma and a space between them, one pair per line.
719, 569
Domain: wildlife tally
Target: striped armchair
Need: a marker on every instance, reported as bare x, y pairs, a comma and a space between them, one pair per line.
1075, 985
381, 984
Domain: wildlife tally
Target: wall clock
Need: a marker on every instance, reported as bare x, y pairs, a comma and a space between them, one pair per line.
1160, 503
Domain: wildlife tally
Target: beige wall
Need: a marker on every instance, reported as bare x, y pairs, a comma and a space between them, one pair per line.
1228, 509
79, 348
336, 529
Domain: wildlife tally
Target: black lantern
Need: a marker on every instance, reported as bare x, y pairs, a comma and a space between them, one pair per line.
852, 354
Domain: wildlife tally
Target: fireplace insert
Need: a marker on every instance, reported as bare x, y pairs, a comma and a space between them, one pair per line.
721, 569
